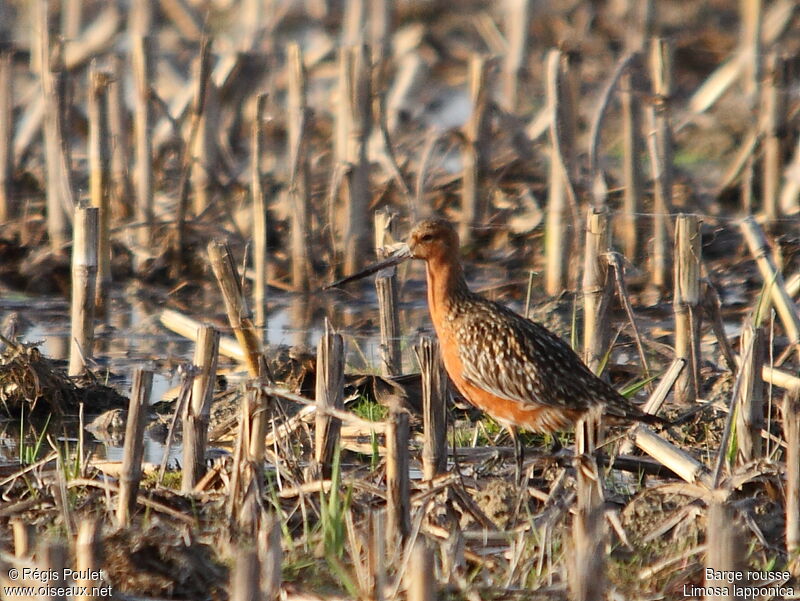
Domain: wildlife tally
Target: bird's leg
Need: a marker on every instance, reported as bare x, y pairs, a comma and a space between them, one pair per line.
519, 452
555, 446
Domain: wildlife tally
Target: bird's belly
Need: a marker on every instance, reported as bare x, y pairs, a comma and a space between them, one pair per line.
529, 415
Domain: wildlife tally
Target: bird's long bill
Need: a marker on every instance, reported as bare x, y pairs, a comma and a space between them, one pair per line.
401, 253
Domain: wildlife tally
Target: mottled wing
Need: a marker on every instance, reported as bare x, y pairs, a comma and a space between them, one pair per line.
520, 360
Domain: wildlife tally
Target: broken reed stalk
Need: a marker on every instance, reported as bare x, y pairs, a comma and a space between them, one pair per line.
420, 576
379, 29
597, 288
84, 280
141, 65
631, 168
202, 132
196, 417
687, 305
656, 399
6, 132
659, 145
558, 239
343, 117
99, 171
196, 155
188, 328
671, 457
517, 20
386, 287
353, 21
791, 432
476, 155
259, 416
120, 184
185, 20
641, 18
587, 569
790, 192
750, 45
239, 315
724, 544
746, 183
781, 379
131, 471
434, 408
298, 126
270, 558
712, 305
71, 17
53, 78
89, 556
329, 394
52, 556
245, 578
773, 279
773, 122
260, 252
24, 534
358, 105
376, 555
750, 402
398, 502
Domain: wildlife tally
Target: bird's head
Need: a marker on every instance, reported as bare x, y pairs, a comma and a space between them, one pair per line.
429, 240
432, 238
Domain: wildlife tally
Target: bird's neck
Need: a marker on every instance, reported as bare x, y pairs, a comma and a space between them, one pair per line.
446, 284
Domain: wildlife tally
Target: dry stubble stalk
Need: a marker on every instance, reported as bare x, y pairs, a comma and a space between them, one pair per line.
386, 287
53, 77
196, 418
750, 402
517, 20
131, 471
6, 131
724, 544
420, 577
329, 394
141, 63
687, 304
118, 132
597, 288
298, 125
89, 556
434, 409
659, 145
587, 573
53, 557
235, 305
357, 197
476, 134
270, 557
631, 168
84, 280
398, 504
99, 173
557, 241
260, 253
784, 305
245, 577
773, 122
791, 432
204, 128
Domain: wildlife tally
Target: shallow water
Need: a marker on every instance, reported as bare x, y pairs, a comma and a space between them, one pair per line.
132, 337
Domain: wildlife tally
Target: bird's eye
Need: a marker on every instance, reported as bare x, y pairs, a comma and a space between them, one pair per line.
427, 238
